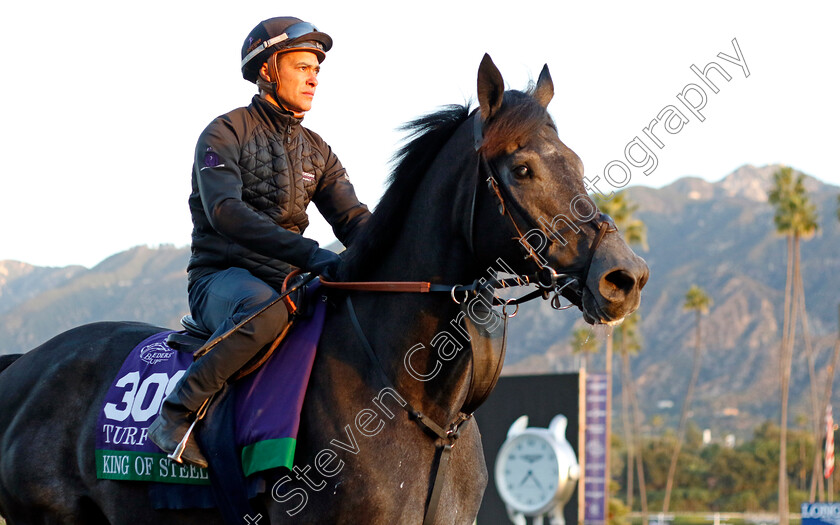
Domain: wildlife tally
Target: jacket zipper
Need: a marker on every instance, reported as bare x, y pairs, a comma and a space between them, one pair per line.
290, 163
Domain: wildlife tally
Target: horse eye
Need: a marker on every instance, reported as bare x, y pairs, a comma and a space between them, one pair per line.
521, 172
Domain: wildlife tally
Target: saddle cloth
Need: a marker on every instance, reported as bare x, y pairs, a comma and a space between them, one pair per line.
267, 408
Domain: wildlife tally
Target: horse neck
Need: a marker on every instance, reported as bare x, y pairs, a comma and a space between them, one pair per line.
429, 248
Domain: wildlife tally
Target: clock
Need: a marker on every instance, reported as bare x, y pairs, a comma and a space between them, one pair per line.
536, 470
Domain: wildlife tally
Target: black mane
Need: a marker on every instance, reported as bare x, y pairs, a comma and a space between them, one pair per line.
520, 116
425, 138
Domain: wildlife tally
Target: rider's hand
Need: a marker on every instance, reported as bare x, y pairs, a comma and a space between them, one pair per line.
324, 263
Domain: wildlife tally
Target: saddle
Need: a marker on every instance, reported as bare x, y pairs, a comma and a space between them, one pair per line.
194, 336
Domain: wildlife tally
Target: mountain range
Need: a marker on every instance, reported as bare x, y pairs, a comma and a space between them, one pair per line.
718, 235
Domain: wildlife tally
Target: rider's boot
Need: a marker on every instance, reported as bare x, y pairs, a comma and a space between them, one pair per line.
208, 375
170, 427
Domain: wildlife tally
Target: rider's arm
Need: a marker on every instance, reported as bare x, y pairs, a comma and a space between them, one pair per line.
336, 199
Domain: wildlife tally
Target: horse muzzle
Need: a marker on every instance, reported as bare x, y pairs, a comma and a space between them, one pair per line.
613, 289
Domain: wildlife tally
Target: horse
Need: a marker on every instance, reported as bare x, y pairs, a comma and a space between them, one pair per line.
472, 189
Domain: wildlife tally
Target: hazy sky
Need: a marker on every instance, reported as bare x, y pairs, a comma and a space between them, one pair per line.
102, 101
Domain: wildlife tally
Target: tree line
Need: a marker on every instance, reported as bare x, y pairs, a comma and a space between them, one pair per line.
777, 469
715, 477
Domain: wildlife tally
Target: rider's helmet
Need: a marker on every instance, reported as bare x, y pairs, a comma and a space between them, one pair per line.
283, 33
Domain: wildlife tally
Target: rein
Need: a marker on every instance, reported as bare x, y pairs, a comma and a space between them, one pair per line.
452, 290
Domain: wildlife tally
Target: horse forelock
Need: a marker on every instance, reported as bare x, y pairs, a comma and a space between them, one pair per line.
519, 118
425, 137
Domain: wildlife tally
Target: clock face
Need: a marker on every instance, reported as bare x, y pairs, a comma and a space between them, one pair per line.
527, 474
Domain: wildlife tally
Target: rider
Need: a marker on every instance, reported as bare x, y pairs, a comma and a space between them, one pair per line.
255, 171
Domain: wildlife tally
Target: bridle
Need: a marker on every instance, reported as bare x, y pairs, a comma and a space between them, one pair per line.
548, 281
548, 278
602, 222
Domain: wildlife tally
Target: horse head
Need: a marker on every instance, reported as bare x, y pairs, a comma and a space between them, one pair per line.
537, 197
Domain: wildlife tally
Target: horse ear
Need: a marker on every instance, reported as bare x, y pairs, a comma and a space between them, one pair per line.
491, 88
545, 88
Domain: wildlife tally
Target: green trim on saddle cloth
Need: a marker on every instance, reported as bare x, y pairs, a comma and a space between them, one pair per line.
146, 466
268, 454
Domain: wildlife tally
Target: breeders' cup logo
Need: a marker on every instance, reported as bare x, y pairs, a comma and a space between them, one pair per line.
156, 353
211, 159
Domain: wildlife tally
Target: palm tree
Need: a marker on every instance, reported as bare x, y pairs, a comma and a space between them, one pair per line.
816, 418
634, 232
640, 472
795, 217
583, 343
698, 302
628, 343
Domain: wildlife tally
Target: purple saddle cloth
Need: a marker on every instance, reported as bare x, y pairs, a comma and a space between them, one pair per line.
268, 403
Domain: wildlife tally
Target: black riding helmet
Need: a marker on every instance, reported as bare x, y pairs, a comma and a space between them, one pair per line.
283, 33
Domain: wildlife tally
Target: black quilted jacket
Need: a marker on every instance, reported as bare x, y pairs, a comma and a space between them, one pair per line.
256, 169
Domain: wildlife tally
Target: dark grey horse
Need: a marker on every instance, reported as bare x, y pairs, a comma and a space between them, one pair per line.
360, 457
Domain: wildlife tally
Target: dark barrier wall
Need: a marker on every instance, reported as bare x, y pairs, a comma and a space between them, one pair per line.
540, 398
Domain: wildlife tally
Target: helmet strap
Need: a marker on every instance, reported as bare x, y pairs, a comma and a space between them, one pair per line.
274, 75
271, 86
266, 86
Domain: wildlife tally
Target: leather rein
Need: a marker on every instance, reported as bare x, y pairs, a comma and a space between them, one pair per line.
548, 281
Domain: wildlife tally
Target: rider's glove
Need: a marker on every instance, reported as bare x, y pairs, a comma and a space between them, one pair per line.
324, 263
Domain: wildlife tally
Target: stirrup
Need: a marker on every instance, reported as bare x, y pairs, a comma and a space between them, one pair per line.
182, 445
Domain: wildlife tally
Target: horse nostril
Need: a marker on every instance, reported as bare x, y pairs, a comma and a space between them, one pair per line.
621, 279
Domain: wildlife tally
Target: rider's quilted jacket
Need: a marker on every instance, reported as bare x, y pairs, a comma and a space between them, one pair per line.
255, 171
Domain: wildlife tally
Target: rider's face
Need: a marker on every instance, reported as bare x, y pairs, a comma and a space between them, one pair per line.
297, 79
